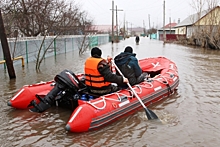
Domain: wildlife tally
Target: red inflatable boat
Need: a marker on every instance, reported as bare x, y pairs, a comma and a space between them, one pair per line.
90, 111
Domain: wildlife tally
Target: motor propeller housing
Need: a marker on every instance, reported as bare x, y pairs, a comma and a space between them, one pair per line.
65, 81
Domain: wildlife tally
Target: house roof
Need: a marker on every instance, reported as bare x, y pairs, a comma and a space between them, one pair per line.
192, 19
168, 26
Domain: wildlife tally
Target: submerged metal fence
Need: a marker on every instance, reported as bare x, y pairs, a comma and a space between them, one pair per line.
28, 47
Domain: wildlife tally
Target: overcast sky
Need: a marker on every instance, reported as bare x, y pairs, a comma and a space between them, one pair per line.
137, 12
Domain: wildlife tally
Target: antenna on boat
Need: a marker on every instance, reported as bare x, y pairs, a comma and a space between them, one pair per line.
150, 114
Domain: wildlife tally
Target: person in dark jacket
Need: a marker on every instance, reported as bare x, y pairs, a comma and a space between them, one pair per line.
137, 39
129, 66
98, 74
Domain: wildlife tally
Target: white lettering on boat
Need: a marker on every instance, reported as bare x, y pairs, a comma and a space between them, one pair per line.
123, 103
155, 65
157, 88
174, 79
75, 114
17, 94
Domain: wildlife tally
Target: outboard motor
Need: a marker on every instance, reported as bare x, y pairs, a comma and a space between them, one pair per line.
66, 80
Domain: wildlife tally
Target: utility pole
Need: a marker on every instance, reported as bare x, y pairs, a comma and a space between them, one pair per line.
113, 21
170, 25
6, 50
144, 28
149, 26
149, 21
164, 35
124, 28
127, 26
117, 40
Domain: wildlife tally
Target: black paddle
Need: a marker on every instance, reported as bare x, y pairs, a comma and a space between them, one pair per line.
150, 114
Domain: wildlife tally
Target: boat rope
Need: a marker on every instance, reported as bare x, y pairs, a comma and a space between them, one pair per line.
105, 98
118, 95
166, 83
172, 68
147, 82
163, 78
99, 108
136, 88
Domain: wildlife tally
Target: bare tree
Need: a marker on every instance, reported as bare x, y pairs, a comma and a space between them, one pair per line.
33, 17
87, 33
42, 17
152, 31
72, 21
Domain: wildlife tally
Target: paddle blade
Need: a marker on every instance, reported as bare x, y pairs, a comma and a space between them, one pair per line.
150, 114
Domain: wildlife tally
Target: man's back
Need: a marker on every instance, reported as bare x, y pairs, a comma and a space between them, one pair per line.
128, 64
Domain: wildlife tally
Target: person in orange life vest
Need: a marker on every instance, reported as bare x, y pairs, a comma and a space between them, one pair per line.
98, 74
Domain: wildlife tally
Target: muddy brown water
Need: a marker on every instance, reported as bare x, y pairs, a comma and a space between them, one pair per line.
189, 118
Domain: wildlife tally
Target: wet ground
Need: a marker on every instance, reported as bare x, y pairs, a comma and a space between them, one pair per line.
190, 117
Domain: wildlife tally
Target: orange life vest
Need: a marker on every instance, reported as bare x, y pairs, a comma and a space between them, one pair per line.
92, 76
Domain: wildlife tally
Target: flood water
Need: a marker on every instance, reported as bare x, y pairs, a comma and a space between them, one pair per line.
189, 118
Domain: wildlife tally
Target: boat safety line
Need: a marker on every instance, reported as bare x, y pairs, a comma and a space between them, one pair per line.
104, 119
93, 104
17, 94
135, 88
116, 100
146, 82
131, 92
111, 99
140, 89
118, 94
75, 114
163, 82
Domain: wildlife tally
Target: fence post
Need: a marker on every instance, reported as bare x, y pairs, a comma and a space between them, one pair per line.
72, 44
55, 52
44, 49
26, 51
65, 44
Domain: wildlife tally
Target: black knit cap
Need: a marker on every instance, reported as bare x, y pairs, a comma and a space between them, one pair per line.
128, 49
96, 52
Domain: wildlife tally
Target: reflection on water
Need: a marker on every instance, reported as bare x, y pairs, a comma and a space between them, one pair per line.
189, 118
